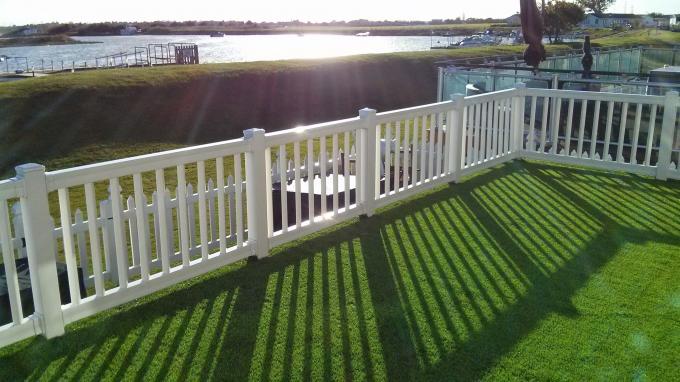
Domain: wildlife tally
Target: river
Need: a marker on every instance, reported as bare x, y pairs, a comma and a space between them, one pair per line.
240, 48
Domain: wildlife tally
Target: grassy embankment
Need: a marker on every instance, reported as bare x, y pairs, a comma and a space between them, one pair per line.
39, 40
120, 112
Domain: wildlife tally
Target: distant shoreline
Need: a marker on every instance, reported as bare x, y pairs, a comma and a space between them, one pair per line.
10, 42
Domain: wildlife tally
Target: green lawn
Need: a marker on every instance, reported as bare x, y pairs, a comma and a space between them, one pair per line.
526, 271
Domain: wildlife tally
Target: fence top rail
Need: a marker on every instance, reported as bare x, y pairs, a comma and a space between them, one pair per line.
148, 162
10, 189
412, 112
312, 131
596, 96
492, 96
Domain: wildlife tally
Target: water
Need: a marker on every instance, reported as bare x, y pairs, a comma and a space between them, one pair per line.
219, 49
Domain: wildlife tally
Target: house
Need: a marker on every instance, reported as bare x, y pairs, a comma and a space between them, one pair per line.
30, 31
513, 20
662, 22
129, 30
612, 20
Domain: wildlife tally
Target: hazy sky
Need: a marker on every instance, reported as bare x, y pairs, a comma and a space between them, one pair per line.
37, 11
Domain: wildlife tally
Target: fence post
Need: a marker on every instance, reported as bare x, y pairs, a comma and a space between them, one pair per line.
256, 192
670, 110
517, 144
40, 248
368, 155
456, 129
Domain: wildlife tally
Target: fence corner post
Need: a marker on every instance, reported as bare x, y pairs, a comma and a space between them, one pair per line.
517, 144
670, 110
41, 250
369, 158
456, 130
256, 197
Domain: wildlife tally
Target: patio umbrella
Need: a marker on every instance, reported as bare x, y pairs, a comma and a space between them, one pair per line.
532, 28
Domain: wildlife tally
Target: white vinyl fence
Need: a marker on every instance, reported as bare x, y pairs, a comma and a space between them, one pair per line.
97, 236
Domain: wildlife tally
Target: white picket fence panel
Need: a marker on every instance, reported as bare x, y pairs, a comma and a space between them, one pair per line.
320, 174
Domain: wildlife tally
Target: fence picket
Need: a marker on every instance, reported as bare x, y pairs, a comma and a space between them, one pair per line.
581, 128
283, 181
211, 212
531, 146
440, 142
119, 234
544, 122
182, 211
221, 208
407, 153
9, 262
636, 134
91, 206
232, 205
622, 133
334, 163
298, 185
397, 141
169, 224
80, 241
596, 123
608, 130
132, 230
483, 129
570, 120
163, 251
310, 179
650, 135
387, 158
430, 149
345, 168
202, 218
238, 188
423, 146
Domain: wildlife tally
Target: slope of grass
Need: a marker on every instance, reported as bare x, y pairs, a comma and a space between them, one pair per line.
525, 272
46, 118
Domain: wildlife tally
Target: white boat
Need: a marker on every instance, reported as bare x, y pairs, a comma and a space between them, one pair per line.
478, 40
363, 34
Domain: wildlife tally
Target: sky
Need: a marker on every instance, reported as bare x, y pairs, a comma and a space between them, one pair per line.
16, 12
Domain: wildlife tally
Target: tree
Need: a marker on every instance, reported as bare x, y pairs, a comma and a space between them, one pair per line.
597, 6
561, 16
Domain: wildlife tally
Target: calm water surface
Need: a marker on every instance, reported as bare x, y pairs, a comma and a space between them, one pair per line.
223, 49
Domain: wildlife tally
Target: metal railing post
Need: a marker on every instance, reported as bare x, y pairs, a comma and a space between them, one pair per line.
256, 203
369, 158
670, 110
41, 251
456, 130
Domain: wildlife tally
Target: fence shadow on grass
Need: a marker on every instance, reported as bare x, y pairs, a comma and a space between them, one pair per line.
439, 287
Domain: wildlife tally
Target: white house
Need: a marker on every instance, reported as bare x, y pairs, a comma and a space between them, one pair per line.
128, 30
611, 20
30, 31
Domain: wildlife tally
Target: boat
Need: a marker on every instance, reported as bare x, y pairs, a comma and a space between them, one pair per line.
217, 34
363, 34
478, 40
